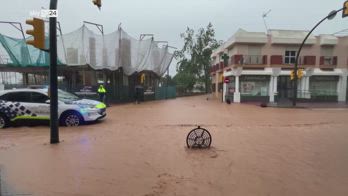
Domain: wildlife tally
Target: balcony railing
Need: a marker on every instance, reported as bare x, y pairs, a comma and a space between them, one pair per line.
217, 67
290, 61
252, 60
248, 60
328, 60
302, 60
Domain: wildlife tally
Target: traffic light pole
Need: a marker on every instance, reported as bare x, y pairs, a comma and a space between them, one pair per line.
53, 76
329, 16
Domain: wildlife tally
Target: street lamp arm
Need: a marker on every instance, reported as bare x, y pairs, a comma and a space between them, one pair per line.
304, 41
331, 15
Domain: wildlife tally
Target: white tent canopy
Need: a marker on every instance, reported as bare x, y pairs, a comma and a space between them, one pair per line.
112, 51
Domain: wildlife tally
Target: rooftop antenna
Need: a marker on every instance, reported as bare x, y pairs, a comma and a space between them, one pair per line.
264, 15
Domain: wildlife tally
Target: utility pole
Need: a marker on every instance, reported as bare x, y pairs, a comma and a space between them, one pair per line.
53, 90
53, 76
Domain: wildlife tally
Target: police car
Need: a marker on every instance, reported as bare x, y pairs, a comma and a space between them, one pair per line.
34, 104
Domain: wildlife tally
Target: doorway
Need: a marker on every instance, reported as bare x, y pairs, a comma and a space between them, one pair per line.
284, 88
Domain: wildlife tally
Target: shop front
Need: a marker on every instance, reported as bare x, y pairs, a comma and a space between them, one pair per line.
324, 88
254, 88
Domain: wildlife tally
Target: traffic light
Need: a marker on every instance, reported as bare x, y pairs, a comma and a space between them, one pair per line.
345, 9
38, 32
292, 75
299, 73
142, 78
97, 3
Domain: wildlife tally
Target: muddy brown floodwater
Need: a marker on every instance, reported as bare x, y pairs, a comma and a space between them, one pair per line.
140, 150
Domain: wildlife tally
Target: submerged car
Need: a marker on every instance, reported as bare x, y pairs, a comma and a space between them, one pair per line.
34, 105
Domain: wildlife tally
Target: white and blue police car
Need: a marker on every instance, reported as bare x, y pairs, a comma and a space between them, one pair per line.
33, 104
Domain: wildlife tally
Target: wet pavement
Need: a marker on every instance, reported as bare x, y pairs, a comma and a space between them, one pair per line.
141, 150
309, 105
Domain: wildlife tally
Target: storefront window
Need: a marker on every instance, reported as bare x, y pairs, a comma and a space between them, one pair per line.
323, 85
254, 85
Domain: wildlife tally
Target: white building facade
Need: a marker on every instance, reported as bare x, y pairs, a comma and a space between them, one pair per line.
259, 65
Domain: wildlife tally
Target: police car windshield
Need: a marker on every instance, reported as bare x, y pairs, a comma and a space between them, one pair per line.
65, 96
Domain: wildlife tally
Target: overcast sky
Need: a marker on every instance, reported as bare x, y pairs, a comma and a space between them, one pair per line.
168, 18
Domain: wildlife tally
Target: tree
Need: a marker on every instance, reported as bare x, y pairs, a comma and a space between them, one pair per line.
194, 57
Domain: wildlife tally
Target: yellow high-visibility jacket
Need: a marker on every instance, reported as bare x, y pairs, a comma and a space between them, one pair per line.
101, 89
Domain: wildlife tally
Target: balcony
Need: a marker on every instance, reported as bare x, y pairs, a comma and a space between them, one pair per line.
289, 62
328, 62
249, 61
217, 67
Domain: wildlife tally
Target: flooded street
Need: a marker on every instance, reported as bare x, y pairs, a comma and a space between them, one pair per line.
141, 150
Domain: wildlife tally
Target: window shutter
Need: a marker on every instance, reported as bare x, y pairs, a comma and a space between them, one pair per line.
264, 59
334, 60
321, 60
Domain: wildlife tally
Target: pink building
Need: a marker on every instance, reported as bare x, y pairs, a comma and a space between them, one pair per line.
259, 65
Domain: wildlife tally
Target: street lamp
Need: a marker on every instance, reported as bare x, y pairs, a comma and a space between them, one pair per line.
330, 16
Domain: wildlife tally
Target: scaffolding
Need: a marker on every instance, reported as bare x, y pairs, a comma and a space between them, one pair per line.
85, 59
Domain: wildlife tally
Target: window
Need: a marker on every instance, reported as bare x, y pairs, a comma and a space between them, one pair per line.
38, 97
327, 53
323, 85
65, 96
3, 97
328, 60
290, 57
18, 97
254, 55
254, 85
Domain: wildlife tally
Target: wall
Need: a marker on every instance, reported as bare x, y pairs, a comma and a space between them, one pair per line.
341, 50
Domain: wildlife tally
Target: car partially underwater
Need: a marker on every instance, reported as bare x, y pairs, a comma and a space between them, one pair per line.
30, 105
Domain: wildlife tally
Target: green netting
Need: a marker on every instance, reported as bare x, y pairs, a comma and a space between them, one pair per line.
23, 55
165, 92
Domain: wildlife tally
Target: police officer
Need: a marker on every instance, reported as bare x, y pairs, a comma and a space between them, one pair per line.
101, 92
